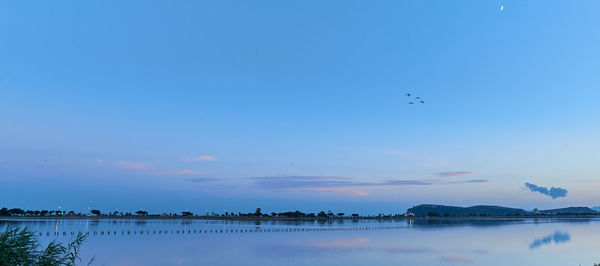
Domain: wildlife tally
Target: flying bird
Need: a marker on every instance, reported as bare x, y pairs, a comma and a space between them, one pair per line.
417, 99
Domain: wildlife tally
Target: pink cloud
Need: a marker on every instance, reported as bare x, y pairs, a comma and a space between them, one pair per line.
135, 165
454, 174
98, 160
186, 172
203, 158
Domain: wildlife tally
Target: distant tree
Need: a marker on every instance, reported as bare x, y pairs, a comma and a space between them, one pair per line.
4, 212
340, 214
258, 212
51, 213
36, 212
71, 213
16, 211
186, 214
95, 212
44, 212
322, 214
355, 215
329, 214
141, 212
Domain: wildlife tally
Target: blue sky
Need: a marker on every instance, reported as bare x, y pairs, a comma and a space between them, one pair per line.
233, 105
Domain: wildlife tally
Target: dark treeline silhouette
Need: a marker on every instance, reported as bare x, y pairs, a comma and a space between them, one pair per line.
21, 212
257, 213
433, 210
425, 210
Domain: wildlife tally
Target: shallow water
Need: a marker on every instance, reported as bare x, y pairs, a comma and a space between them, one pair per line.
402, 242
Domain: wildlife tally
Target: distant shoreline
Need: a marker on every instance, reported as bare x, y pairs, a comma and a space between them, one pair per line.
321, 219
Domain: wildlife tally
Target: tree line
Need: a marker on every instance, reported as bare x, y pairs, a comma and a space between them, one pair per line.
257, 213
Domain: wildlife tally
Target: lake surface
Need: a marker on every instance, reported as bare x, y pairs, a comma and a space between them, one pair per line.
365, 242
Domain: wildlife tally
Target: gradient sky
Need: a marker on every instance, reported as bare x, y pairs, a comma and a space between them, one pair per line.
284, 105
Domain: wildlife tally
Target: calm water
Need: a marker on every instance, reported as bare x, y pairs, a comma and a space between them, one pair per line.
403, 242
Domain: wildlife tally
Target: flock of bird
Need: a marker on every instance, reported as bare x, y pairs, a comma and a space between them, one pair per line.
415, 99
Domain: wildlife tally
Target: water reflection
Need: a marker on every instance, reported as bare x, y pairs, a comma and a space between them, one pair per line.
357, 242
557, 238
339, 245
487, 222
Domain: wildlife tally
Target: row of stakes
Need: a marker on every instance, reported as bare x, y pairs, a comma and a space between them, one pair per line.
154, 232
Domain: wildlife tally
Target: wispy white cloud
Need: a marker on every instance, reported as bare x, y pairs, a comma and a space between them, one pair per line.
202, 158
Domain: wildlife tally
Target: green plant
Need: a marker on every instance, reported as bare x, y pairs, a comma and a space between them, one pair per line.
21, 247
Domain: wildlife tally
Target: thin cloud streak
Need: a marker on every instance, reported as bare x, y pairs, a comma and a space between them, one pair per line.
336, 190
321, 184
454, 174
203, 158
186, 172
342, 185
